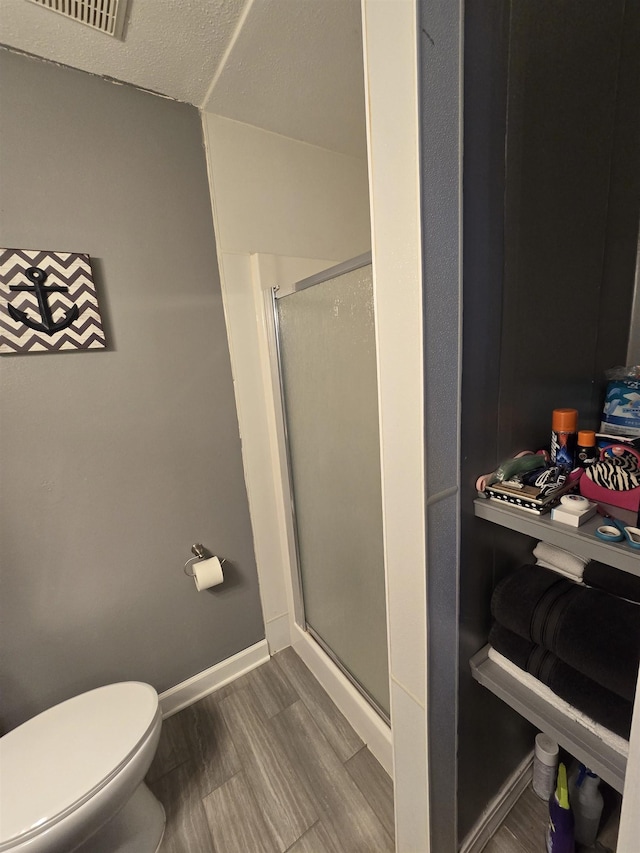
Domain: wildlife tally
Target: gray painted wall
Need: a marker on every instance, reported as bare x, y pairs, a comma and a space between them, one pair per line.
441, 144
115, 462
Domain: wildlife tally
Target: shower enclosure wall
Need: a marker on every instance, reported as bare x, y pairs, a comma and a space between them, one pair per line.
327, 359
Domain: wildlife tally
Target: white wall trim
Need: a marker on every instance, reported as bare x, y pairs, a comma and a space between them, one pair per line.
205, 682
390, 41
630, 814
499, 807
278, 631
366, 722
633, 351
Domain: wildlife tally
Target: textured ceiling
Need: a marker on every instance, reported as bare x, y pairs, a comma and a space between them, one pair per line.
296, 68
291, 66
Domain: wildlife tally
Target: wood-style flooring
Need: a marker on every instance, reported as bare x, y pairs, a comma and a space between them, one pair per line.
268, 764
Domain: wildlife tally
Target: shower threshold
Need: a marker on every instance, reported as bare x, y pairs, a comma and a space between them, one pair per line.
336, 660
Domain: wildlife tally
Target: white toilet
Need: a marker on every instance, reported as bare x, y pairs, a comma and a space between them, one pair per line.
71, 779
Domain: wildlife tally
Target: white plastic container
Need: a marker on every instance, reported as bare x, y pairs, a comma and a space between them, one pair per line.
587, 807
545, 765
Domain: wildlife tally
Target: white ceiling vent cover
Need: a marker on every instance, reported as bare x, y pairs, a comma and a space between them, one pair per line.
104, 15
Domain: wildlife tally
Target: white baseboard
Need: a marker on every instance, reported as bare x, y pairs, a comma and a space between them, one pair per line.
205, 682
499, 807
278, 633
369, 725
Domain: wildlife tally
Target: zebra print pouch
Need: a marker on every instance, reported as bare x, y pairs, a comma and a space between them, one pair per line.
618, 469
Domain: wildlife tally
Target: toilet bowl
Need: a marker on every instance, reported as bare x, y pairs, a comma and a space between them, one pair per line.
71, 779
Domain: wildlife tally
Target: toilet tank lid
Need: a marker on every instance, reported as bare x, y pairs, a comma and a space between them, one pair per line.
57, 759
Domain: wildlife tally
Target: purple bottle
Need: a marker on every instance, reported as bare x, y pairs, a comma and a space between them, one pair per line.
560, 833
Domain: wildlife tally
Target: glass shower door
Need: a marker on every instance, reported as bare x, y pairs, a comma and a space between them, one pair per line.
328, 372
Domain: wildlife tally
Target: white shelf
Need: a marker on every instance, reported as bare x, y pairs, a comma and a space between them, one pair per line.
579, 741
579, 540
582, 743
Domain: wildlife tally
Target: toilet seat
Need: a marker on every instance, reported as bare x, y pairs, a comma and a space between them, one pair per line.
55, 762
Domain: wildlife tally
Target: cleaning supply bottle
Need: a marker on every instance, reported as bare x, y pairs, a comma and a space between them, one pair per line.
545, 762
587, 804
576, 771
560, 833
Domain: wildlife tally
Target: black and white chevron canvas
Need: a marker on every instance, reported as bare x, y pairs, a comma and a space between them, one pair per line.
48, 302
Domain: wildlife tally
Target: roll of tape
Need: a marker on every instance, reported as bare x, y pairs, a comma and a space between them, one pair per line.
574, 502
609, 533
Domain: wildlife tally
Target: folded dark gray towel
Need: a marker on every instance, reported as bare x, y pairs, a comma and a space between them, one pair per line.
597, 634
613, 581
603, 706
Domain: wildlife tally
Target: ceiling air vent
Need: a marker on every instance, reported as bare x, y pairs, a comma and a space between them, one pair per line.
104, 15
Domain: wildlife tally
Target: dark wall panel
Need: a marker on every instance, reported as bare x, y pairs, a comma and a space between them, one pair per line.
624, 203
563, 80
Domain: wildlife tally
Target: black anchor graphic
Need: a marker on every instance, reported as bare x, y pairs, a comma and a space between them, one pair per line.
38, 277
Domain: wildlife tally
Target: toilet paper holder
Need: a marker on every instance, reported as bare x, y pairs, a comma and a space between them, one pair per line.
198, 551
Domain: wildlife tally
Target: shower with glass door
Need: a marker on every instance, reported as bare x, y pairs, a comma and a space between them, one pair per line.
327, 359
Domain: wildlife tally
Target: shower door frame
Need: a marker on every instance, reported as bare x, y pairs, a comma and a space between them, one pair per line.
329, 274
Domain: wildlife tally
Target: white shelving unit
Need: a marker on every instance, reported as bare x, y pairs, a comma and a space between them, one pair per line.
582, 743
603, 759
579, 540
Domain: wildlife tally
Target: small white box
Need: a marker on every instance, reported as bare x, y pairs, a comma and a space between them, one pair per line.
573, 517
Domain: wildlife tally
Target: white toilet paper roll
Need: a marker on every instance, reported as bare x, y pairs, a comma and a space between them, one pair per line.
207, 573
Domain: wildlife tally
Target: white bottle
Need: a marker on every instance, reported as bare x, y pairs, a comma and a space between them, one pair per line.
587, 809
545, 763
576, 771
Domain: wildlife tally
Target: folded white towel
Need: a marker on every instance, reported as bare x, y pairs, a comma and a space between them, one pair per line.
558, 571
611, 738
560, 559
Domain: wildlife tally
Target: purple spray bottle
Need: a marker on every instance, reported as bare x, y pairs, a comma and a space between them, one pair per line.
560, 833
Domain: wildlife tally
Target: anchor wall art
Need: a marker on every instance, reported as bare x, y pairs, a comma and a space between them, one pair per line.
48, 302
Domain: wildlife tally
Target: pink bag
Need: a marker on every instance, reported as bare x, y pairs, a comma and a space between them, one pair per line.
614, 468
